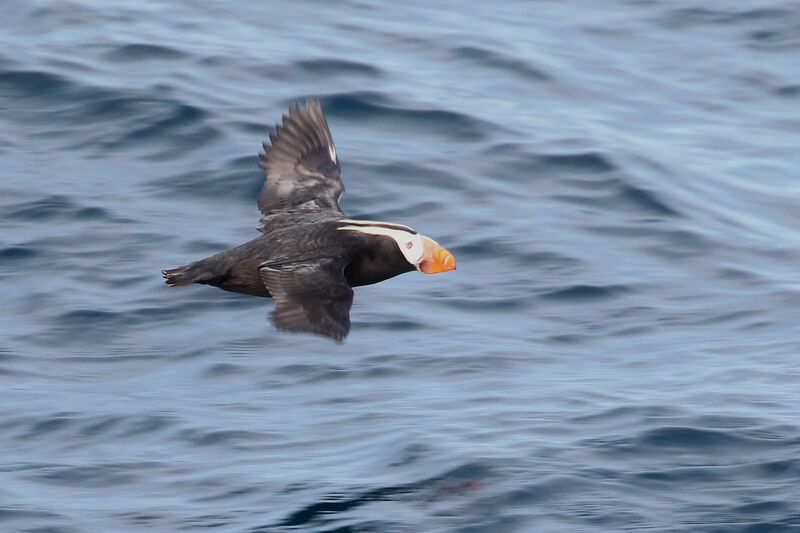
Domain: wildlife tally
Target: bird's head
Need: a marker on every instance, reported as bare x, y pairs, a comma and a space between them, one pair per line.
421, 252
435, 258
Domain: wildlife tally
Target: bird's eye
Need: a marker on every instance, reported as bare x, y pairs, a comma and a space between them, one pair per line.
409, 244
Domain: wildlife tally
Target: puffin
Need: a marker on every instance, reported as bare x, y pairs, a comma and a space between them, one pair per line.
309, 255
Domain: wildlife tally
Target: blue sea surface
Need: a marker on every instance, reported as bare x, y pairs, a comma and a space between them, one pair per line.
619, 349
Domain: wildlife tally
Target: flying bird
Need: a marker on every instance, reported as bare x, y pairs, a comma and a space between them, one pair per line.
309, 255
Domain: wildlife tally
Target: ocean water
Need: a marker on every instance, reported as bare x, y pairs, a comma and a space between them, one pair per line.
619, 349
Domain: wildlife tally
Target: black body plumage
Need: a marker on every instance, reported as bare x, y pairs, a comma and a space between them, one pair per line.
302, 259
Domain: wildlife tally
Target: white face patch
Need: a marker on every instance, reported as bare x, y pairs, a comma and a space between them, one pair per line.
410, 244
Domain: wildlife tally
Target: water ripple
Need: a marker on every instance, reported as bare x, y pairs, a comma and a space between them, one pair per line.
144, 52
380, 110
616, 352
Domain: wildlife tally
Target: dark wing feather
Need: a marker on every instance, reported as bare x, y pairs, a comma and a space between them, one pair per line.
311, 296
303, 183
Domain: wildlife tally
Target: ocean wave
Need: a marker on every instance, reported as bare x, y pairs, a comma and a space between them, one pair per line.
383, 112
616, 350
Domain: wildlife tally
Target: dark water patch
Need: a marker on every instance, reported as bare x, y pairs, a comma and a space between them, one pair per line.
633, 331
644, 200
32, 84
144, 52
117, 105
688, 475
20, 518
7, 355
59, 14
222, 369
10, 372
381, 372
91, 476
489, 305
379, 110
410, 454
693, 438
390, 325
588, 162
732, 316
622, 197
548, 490
178, 128
141, 519
781, 469
567, 339
409, 172
50, 424
520, 162
97, 319
754, 326
51, 529
673, 440
16, 513
488, 59
151, 315
775, 28
360, 526
140, 425
467, 475
681, 244
312, 71
69, 426
209, 521
330, 506
232, 494
95, 116
761, 507
58, 207
73, 66
450, 484
253, 129
739, 275
13, 254
331, 67
102, 425
239, 179
47, 208
92, 213
215, 61
628, 414
236, 438
684, 17
788, 91
780, 39
581, 293
353, 104
671, 243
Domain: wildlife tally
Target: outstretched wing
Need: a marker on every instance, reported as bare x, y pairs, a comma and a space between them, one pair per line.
311, 296
303, 183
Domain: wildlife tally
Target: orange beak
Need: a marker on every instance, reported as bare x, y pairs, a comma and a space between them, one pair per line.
435, 259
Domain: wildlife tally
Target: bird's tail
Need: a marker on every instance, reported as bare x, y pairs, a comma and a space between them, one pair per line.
208, 271
179, 276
